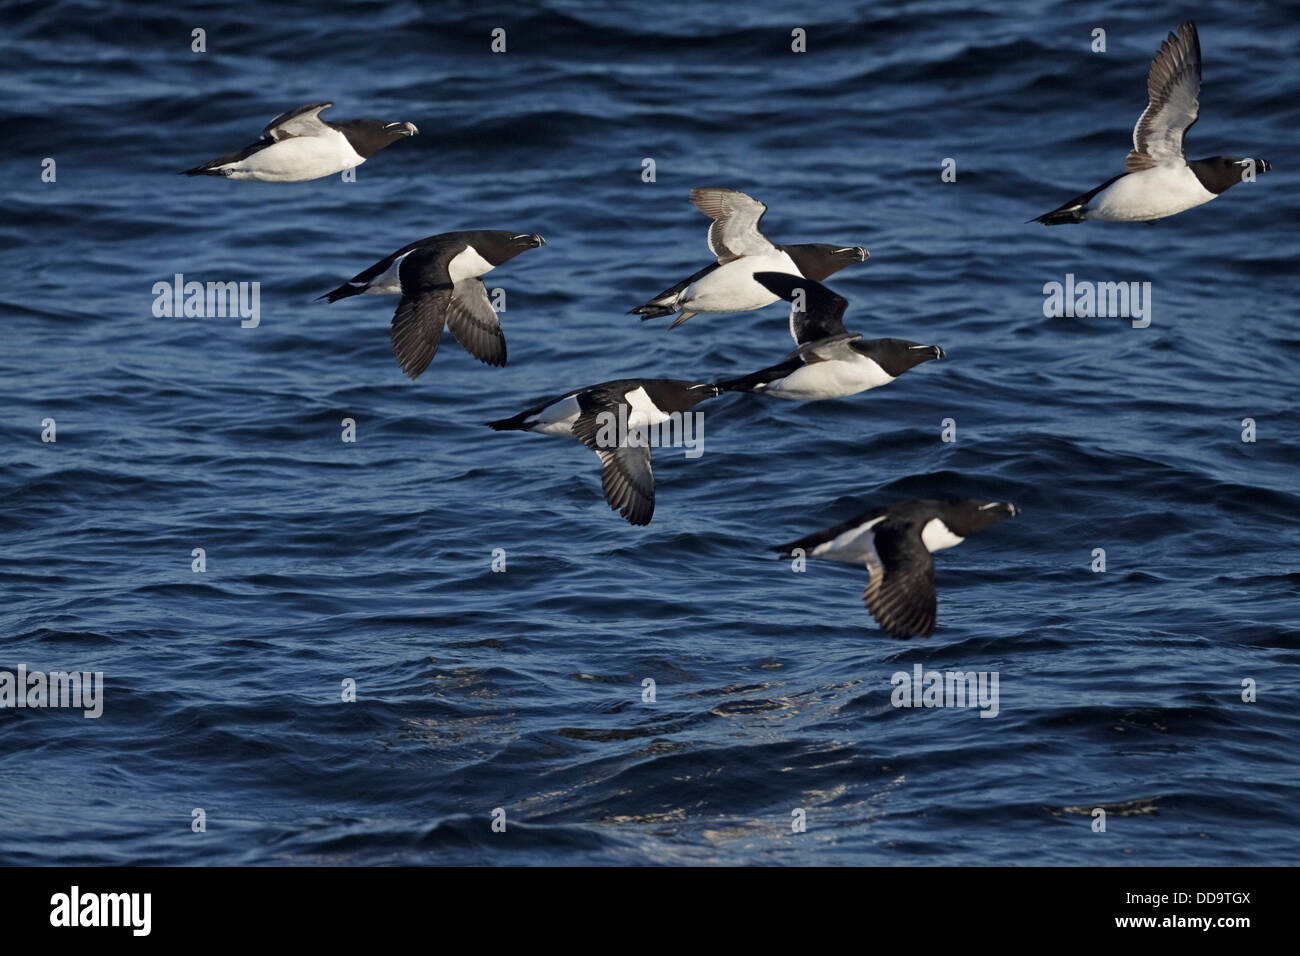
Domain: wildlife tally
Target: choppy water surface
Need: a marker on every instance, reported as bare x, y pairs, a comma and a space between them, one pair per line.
371, 561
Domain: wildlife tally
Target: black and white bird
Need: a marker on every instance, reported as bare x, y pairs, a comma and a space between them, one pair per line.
1160, 181
438, 279
299, 145
728, 285
612, 420
828, 361
897, 545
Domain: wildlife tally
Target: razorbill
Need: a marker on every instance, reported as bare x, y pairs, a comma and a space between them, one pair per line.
728, 285
438, 279
627, 476
828, 361
897, 544
299, 145
1160, 181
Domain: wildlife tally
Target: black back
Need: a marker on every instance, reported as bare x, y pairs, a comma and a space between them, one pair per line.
669, 394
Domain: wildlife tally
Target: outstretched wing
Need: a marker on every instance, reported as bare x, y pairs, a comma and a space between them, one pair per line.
816, 312
474, 322
901, 595
427, 293
303, 121
627, 476
1173, 85
735, 216
417, 329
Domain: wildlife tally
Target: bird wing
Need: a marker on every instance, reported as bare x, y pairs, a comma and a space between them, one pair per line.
901, 595
427, 293
822, 312
735, 216
1173, 85
627, 476
417, 329
826, 350
303, 121
474, 322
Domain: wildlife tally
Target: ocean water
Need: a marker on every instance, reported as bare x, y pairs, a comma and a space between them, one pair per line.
521, 691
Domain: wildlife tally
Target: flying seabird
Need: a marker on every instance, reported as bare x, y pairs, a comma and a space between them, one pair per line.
299, 145
1160, 181
438, 278
897, 545
612, 419
828, 361
728, 285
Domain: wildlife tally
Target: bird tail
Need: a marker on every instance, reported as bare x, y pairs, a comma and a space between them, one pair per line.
342, 292
787, 550
514, 423
652, 311
206, 169
1069, 213
1073, 211
754, 382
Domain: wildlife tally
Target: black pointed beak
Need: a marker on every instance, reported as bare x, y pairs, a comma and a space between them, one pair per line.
537, 241
938, 352
1011, 509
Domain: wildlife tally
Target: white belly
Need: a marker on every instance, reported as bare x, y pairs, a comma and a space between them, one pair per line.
856, 546
1150, 194
558, 419
731, 288
390, 282
833, 379
297, 159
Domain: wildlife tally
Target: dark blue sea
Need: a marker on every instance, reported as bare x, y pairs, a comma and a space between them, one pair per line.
521, 692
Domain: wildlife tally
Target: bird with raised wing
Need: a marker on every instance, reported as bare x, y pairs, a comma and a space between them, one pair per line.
728, 284
828, 360
298, 145
1159, 180
897, 545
